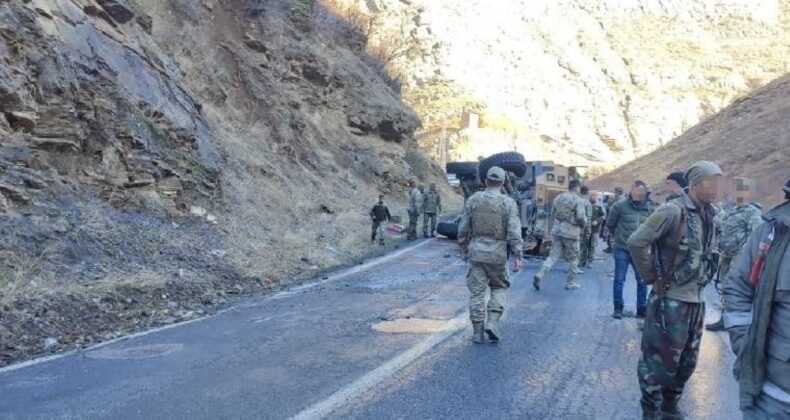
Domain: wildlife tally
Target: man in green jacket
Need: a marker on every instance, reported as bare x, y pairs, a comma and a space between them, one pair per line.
757, 316
624, 218
672, 251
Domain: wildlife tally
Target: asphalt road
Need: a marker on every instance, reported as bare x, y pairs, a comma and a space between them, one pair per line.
386, 341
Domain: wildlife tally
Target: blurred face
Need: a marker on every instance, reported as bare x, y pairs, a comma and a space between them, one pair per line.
708, 189
593, 198
672, 186
743, 193
638, 193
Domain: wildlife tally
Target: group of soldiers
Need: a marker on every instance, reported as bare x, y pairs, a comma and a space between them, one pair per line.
428, 204
672, 248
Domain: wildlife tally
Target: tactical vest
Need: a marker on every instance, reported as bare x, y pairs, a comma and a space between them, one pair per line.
489, 218
693, 254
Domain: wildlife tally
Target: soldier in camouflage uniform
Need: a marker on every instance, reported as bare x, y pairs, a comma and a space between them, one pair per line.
431, 207
733, 230
681, 234
415, 206
596, 221
585, 239
489, 226
569, 220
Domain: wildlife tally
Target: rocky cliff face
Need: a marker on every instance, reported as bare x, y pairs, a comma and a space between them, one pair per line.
596, 82
156, 156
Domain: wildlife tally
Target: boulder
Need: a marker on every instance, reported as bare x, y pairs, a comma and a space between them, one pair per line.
21, 121
118, 11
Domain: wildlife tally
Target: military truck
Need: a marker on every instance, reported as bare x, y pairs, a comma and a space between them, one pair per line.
533, 184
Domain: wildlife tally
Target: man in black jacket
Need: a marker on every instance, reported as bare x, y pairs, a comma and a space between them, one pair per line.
379, 215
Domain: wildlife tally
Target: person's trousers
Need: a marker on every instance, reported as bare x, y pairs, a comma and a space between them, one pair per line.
414, 217
622, 260
481, 278
429, 223
566, 248
670, 348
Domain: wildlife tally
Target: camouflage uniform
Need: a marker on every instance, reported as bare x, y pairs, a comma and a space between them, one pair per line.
674, 320
570, 219
489, 226
584, 240
733, 231
431, 206
415, 205
588, 251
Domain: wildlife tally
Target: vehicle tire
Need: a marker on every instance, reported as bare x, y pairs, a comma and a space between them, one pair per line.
462, 170
447, 229
510, 161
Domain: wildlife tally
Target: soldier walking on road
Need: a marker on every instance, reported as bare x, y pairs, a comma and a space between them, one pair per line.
569, 220
379, 215
757, 316
415, 208
625, 217
584, 240
431, 206
734, 230
489, 226
681, 235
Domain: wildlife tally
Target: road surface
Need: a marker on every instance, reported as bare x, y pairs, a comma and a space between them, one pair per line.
385, 341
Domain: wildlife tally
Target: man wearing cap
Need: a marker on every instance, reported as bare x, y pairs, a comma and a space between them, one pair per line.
489, 226
733, 230
570, 218
681, 234
675, 185
757, 316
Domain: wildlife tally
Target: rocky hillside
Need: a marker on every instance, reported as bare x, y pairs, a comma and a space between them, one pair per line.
157, 156
749, 138
594, 82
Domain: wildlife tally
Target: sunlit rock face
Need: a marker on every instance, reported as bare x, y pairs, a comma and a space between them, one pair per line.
595, 82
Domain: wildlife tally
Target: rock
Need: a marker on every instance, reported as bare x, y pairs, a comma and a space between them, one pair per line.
14, 193
198, 211
50, 343
55, 144
256, 46
92, 10
314, 74
189, 314
145, 22
60, 225
172, 305
21, 121
119, 12
181, 272
211, 218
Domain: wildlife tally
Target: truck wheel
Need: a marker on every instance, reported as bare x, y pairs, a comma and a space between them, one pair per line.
462, 170
509, 161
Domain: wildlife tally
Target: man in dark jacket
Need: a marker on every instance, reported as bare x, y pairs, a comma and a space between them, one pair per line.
675, 185
624, 218
757, 316
379, 215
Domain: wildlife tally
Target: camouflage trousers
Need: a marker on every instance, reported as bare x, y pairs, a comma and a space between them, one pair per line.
566, 248
481, 278
670, 347
429, 223
587, 245
378, 230
414, 217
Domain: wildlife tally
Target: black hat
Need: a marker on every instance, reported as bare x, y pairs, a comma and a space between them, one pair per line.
679, 177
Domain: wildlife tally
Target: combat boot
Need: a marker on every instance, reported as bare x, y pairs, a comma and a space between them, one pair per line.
670, 409
715, 326
618, 312
536, 281
492, 326
477, 333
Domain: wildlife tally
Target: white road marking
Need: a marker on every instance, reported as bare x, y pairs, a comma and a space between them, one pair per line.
280, 295
389, 369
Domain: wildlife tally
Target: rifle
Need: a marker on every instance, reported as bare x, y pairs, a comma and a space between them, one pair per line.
661, 282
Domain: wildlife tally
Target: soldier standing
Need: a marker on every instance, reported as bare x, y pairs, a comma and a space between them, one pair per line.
431, 206
415, 206
489, 226
584, 242
681, 234
733, 230
569, 220
379, 214
598, 216
618, 194
757, 316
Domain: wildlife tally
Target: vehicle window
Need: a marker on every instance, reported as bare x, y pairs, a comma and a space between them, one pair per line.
561, 179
